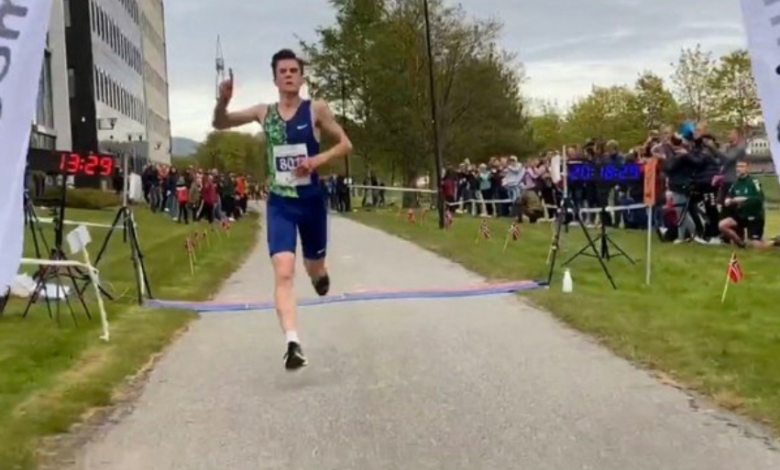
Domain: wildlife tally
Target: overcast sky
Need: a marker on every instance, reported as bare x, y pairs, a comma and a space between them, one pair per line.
565, 45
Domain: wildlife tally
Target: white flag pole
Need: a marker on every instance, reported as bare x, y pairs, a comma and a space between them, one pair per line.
23, 27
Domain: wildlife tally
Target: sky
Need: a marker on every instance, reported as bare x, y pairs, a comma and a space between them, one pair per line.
565, 46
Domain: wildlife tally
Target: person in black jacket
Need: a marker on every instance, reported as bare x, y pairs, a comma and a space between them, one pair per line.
680, 166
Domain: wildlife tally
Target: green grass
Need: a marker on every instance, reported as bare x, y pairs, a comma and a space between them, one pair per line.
729, 352
52, 374
771, 186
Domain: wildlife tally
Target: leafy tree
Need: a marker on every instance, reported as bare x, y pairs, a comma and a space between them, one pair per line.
654, 103
183, 162
233, 152
548, 125
692, 77
735, 95
607, 113
377, 48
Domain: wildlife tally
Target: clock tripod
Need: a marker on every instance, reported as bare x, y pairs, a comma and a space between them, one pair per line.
55, 274
125, 221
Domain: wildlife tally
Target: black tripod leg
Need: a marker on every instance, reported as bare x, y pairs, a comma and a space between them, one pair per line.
581, 252
560, 221
80, 296
114, 225
140, 265
620, 250
592, 245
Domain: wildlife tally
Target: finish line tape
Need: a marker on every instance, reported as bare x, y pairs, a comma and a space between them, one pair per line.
472, 291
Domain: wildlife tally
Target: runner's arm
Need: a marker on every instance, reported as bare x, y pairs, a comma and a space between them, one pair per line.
328, 124
225, 120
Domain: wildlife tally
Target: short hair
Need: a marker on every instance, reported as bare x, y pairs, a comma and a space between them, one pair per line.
285, 54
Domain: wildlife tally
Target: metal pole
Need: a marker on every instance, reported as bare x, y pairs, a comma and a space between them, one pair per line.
344, 118
438, 160
125, 178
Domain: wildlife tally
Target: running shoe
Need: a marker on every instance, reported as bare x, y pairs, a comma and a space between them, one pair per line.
294, 358
321, 285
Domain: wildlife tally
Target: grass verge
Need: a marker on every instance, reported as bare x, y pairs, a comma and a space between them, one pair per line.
53, 374
729, 352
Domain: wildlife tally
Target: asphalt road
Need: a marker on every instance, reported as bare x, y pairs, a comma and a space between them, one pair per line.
467, 384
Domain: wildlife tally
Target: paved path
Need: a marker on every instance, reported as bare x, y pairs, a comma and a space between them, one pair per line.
468, 384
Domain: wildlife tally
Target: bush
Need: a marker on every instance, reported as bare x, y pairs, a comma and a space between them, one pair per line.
80, 198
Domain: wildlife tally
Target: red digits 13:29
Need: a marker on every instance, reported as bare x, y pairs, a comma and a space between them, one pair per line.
86, 164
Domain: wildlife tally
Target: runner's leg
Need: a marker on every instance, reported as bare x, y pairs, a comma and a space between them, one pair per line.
282, 236
313, 228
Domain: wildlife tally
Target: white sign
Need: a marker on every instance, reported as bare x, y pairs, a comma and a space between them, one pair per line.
286, 158
23, 26
78, 239
762, 25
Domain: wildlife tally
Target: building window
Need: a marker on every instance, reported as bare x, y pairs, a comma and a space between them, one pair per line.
71, 83
42, 141
66, 12
44, 114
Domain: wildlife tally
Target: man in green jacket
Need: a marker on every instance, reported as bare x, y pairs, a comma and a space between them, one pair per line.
745, 202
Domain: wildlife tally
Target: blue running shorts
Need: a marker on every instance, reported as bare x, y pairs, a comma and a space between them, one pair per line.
287, 217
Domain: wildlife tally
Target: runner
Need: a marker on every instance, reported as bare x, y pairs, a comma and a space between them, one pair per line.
295, 205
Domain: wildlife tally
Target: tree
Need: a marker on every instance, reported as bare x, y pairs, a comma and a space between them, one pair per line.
654, 102
735, 95
607, 113
377, 48
233, 152
548, 125
692, 76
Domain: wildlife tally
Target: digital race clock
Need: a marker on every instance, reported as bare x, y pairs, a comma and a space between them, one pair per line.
89, 164
605, 173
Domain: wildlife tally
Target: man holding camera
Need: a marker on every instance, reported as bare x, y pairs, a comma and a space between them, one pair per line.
745, 201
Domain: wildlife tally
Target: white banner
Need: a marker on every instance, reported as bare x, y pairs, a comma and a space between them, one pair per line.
762, 25
23, 26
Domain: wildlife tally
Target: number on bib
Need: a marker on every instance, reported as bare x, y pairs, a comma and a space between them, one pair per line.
285, 164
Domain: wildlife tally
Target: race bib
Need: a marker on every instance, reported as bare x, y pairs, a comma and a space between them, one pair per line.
286, 158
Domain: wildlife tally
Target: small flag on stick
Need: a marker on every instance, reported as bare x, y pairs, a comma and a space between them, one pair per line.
513, 233
410, 216
226, 226
205, 236
734, 274
447, 219
423, 215
188, 246
484, 232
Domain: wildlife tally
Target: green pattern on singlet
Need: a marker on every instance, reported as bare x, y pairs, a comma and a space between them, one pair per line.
275, 130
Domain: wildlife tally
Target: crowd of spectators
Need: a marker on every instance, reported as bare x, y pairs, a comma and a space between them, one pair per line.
193, 194
702, 187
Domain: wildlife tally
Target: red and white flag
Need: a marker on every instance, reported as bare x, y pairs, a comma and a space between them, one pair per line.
484, 230
734, 274
447, 219
514, 231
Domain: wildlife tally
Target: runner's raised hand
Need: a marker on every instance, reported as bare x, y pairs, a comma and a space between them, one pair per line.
226, 88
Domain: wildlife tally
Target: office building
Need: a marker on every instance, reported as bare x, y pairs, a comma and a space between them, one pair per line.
156, 79
109, 108
51, 121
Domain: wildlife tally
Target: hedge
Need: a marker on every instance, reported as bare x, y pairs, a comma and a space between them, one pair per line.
80, 198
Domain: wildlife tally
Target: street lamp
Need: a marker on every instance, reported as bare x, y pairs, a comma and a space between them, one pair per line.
438, 159
344, 115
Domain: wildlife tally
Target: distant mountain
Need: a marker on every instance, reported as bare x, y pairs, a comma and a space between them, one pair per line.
184, 147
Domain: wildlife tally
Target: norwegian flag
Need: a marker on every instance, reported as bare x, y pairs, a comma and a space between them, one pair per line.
226, 225
410, 216
423, 215
514, 231
484, 230
447, 219
189, 245
734, 272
